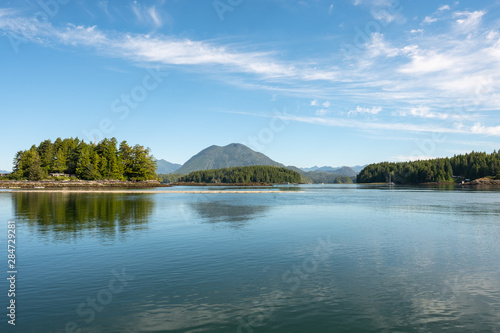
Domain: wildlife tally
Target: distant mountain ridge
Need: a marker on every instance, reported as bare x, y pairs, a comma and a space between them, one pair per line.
165, 167
342, 171
4, 171
232, 155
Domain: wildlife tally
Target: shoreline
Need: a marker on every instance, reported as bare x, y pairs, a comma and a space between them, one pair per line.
26, 184
67, 190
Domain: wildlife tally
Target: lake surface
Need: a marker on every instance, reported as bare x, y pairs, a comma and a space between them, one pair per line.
301, 259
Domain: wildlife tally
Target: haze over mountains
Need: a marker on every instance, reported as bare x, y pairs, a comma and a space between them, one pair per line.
235, 154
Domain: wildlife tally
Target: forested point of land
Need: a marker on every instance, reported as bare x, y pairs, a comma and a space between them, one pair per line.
87, 161
249, 174
442, 170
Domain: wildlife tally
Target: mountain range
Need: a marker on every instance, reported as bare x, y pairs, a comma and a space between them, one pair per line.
235, 154
356, 169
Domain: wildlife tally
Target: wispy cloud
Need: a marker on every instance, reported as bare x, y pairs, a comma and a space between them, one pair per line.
330, 9
432, 73
150, 15
425, 112
469, 21
437, 15
477, 128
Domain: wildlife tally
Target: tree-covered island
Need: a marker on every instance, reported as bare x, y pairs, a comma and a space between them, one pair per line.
242, 175
85, 161
474, 165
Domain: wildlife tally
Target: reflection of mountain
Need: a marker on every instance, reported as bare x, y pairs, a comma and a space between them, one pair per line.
217, 211
71, 214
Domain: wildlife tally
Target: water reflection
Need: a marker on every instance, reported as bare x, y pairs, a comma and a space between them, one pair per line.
67, 215
220, 211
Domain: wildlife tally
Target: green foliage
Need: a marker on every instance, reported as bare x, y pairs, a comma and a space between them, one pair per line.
28, 165
469, 166
169, 178
343, 180
249, 174
317, 177
86, 161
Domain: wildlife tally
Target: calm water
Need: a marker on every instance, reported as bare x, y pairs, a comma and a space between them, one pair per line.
326, 259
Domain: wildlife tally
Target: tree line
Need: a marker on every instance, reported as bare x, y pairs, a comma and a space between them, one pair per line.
467, 166
88, 161
249, 174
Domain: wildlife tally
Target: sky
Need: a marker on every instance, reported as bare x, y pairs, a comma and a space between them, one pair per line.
305, 82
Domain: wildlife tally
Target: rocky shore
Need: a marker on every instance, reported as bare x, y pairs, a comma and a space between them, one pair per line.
483, 182
12, 184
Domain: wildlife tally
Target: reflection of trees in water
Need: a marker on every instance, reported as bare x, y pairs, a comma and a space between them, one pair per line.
71, 214
217, 211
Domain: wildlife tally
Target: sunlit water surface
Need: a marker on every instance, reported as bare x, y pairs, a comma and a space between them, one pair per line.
298, 259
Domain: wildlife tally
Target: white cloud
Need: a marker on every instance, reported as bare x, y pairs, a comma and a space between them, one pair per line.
478, 128
425, 112
378, 46
423, 62
326, 104
429, 19
361, 110
443, 8
416, 31
314, 102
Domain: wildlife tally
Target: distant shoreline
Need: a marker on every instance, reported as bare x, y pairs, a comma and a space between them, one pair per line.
220, 184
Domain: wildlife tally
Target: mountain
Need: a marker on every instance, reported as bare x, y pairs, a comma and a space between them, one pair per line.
232, 155
327, 169
344, 171
3, 171
165, 167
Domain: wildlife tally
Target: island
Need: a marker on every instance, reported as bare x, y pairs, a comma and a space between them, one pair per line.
480, 167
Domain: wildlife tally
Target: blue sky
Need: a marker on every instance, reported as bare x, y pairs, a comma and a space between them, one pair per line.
305, 82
